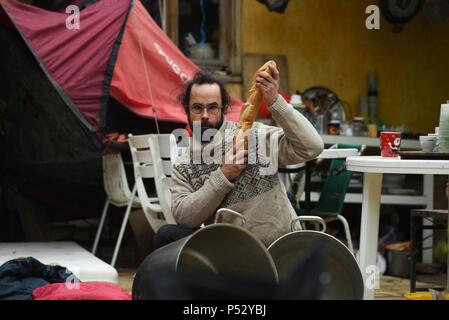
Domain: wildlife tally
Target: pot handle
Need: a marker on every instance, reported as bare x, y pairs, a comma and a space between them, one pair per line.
295, 221
224, 210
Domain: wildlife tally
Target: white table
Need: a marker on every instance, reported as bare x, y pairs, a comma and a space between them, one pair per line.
373, 167
83, 264
329, 154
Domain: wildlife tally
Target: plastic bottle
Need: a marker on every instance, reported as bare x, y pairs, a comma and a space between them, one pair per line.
443, 131
363, 109
372, 96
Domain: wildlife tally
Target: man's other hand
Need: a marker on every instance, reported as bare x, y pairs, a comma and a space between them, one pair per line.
235, 160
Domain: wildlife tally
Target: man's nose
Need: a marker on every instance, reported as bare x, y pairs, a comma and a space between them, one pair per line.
205, 114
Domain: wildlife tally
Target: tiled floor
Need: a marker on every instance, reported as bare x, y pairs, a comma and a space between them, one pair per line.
391, 288
125, 278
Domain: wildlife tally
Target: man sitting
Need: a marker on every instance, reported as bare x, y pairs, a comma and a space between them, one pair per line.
242, 181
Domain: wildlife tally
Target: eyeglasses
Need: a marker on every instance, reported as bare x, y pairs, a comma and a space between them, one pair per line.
213, 108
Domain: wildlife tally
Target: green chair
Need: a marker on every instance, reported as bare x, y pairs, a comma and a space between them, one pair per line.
332, 196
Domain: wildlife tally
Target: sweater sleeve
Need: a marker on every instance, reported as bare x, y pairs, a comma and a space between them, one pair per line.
298, 141
191, 208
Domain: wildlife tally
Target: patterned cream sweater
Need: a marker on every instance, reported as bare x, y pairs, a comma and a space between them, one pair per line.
199, 190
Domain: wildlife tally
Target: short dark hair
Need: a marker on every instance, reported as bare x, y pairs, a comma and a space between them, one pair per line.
204, 78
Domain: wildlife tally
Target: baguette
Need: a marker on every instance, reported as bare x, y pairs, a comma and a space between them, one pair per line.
250, 109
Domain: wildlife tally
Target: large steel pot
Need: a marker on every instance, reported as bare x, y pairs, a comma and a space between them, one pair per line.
220, 248
340, 276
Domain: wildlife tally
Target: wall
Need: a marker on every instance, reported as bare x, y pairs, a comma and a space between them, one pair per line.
327, 44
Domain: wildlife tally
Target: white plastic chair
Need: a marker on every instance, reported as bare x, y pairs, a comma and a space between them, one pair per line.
164, 153
118, 194
144, 167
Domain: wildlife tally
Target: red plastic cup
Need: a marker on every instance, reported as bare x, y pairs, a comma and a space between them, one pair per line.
390, 144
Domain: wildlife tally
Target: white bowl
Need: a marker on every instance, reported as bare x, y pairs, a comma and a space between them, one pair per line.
428, 143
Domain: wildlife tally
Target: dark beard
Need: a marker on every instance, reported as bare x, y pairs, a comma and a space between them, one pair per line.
204, 127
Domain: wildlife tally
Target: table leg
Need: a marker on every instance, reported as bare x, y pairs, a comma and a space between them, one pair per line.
308, 186
414, 251
427, 234
447, 272
369, 231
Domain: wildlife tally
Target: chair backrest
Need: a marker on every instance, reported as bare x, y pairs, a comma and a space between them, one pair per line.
335, 186
360, 147
144, 168
334, 189
164, 153
141, 155
114, 179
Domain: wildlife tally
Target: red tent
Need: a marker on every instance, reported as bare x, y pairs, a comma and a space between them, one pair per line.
118, 51
148, 81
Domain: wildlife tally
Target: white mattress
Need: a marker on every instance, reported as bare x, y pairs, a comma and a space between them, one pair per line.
81, 262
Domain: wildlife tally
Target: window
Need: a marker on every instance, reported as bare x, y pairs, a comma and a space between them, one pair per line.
154, 8
207, 31
199, 29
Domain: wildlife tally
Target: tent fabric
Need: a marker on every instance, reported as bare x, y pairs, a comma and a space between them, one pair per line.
81, 291
75, 59
148, 75
80, 3
151, 71
4, 21
58, 82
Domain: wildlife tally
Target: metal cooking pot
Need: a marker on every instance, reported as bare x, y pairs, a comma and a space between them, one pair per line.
340, 275
219, 248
